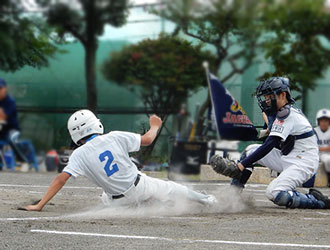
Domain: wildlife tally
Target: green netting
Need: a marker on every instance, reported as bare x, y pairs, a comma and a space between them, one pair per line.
62, 84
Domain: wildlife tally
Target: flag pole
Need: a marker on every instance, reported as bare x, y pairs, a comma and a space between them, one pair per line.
207, 72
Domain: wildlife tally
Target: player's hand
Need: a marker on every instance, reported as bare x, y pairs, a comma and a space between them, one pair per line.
155, 121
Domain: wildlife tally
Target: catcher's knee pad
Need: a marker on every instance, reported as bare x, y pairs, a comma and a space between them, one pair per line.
295, 199
283, 198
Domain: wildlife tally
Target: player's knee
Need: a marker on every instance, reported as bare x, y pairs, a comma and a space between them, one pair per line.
283, 198
271, 192
250, 149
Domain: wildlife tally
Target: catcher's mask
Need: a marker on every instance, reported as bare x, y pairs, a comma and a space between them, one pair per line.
268, 89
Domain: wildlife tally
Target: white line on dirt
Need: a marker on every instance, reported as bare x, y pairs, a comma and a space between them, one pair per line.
29, 218
40, 186
181, 240
222, 184
178, 218
323, 213
313, 218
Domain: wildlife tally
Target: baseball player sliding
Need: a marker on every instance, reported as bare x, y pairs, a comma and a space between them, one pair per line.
104, 160
290, 149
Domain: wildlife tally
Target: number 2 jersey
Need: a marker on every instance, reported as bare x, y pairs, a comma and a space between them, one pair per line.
105, 161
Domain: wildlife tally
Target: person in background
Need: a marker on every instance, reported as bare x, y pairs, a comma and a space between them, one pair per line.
9, 127
323, 133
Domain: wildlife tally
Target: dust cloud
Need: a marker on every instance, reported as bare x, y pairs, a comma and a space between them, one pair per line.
230, 200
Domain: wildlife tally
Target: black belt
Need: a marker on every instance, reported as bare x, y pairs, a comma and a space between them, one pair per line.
135, 184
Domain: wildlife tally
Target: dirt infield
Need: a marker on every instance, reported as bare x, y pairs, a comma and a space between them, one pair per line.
75, 219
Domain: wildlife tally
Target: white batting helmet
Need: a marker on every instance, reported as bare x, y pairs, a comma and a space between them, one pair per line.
322, 113
83, 123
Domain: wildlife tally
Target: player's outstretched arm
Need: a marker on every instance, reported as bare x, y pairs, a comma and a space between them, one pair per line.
155, 123
54, 187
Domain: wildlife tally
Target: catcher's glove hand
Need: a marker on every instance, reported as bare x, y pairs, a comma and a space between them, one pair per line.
225, 166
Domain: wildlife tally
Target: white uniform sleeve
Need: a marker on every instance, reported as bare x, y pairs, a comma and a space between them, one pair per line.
130, 141
74, 167
282, 128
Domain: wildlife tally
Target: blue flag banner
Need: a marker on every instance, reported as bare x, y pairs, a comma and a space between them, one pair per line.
232, 121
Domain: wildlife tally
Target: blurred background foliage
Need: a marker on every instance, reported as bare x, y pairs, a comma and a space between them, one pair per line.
243, 40
165, 70
22, 41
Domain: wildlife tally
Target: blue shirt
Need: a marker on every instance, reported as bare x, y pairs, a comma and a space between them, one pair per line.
9, 107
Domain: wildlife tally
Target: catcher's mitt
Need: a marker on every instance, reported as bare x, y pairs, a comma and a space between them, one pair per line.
225, 166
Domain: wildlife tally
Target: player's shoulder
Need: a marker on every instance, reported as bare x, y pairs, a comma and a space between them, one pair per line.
9, 100
77, 152
115, 134
118, 133
284, 112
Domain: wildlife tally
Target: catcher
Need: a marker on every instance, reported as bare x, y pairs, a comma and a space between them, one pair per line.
290, 149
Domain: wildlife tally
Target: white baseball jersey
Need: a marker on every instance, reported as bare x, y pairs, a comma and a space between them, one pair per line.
323, 137
295, 124
105, 161
324, 141
300, 164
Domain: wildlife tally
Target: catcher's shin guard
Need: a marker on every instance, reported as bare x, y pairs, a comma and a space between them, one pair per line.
295, 199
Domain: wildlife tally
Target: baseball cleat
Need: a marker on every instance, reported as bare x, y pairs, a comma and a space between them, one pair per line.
321, 197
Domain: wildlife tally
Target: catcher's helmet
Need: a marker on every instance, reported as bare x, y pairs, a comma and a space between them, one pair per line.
275, 86
322, 113
83, 123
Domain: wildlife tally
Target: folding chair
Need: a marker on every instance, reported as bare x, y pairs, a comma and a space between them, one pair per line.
7, 155
29, 152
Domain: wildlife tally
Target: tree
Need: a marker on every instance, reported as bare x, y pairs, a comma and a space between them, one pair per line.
221, 24
86, 22
21, 41
164, 70
296, 42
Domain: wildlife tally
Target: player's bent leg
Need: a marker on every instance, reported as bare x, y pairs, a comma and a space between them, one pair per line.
282, 190
295, 199
171, 191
